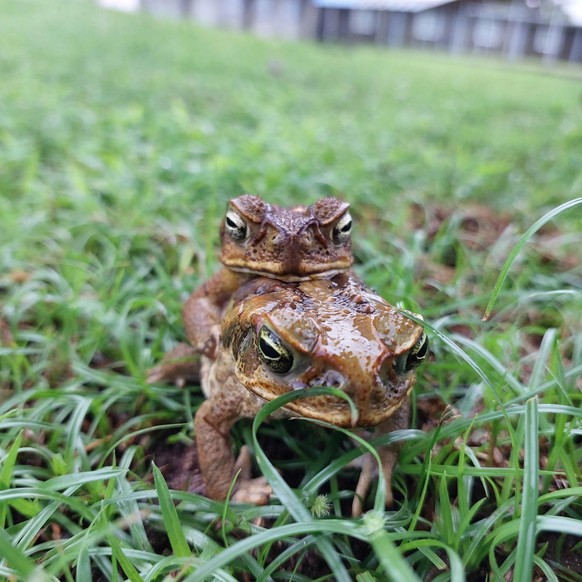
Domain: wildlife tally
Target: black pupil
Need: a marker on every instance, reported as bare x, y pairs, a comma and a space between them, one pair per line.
273, 353
340, 231
237, 230
417, 355
268, 350
422, 349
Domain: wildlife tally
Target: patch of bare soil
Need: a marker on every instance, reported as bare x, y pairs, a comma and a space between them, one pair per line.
178, 462
478, 228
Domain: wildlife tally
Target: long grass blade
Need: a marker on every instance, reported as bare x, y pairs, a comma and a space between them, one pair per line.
124, 562
299, 512
170, 516
395, 567
9, 461
557, 523
520, 244
15, 557
457, 570
83, 573
527, 526
445, 513
7, 473
346, 527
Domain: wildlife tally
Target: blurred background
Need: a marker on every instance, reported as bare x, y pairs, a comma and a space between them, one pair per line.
514, 29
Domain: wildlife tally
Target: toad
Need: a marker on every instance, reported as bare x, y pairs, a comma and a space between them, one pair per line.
279, 337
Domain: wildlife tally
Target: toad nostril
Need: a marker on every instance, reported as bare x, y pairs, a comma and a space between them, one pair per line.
331, 379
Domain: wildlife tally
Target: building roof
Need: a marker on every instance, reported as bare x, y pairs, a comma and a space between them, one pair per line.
391, 5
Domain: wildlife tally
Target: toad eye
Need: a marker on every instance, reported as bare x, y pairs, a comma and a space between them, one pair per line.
235, 226
414, 357
273, 352
342, 230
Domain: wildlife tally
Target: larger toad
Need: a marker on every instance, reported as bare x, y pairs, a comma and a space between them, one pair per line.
278, 337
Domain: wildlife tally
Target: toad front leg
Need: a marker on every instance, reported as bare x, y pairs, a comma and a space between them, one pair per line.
212, 424
179, 366
203, 309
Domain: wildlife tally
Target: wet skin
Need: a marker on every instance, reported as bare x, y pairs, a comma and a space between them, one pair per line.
278, 337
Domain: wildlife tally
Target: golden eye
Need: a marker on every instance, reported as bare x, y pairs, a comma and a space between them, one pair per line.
235, 226
273, 352
342, 230
414, 357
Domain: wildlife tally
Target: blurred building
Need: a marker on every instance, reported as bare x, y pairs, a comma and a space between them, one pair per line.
547, 29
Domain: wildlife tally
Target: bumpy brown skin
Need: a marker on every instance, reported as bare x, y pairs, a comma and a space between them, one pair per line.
287, 244
339, 334
290, 244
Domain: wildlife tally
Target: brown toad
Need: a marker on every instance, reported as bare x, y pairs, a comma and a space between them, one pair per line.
279, 337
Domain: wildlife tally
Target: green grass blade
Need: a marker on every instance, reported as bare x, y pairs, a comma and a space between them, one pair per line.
477, 548
170, 516
457, 570
542, 357
557, 523
9, 461
295, 507
546, 569
285, 555
380, 497
526, 539
289, 499
348, 527
34, 526
466, 358
82, 478
125, 563
335, 466
421, 492
572, 492
395, 567
456, 564
83, 573
7, 473
74, 452
16, 558
520, 244
447, 529
128, 505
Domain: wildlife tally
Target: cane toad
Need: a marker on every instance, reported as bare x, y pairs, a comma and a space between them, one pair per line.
278, 337
261, 239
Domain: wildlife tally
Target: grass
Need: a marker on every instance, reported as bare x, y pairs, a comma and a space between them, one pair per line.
121, 139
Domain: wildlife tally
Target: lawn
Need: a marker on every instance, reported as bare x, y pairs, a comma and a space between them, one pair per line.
121, 140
